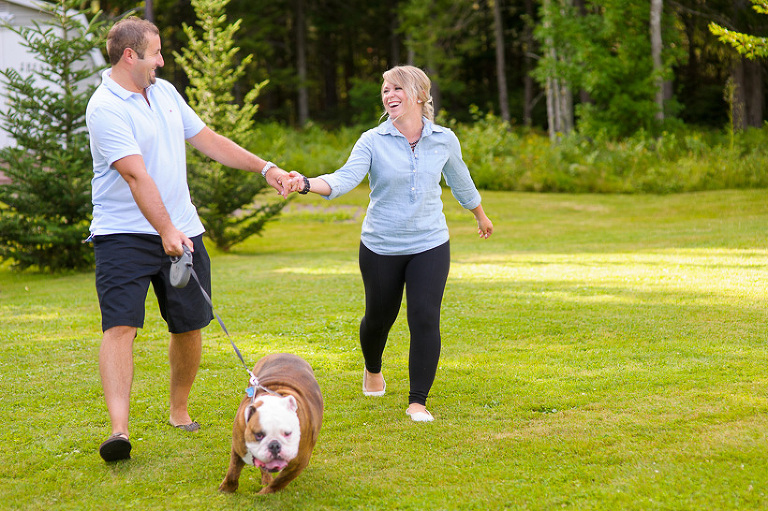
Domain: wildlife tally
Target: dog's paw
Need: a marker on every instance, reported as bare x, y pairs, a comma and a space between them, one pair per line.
228, 487
266, 477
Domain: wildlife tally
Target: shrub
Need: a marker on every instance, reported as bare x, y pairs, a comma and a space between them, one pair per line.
517, 159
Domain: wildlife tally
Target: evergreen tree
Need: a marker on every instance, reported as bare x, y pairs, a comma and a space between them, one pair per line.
46, 209
225, 198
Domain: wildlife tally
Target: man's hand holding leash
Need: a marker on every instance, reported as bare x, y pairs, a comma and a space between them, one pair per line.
174, 242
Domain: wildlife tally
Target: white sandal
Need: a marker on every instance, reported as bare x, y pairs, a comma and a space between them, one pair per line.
374, 393
424, 416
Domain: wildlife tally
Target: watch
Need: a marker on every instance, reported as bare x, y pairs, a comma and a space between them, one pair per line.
267, 166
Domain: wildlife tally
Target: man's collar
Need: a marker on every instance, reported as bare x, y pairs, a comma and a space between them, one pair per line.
114, 87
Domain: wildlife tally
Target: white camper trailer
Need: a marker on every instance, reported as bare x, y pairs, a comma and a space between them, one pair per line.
19, 13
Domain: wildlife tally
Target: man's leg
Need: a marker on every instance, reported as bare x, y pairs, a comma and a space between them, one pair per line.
116, 369
184, 354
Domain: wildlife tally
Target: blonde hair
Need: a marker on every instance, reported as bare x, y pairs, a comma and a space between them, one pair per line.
416, 85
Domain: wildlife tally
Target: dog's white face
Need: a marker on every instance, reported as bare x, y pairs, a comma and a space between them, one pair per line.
272, 432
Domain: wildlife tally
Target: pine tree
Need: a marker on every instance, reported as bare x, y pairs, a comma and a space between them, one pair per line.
46, 209
225, 197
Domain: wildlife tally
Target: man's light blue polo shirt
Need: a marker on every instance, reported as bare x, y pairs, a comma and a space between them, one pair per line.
405, 213
121, 123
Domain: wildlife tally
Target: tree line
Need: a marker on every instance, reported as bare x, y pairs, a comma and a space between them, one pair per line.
604, 66
606, 69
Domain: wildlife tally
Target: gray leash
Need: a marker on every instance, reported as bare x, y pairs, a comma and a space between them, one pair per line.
181, 270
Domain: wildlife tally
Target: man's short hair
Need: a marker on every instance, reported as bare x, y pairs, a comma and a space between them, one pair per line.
130, 33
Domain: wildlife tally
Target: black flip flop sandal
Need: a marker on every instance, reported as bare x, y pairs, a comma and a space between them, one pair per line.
115, 448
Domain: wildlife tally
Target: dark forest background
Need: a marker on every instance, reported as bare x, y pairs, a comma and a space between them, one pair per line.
565, 96
324, 58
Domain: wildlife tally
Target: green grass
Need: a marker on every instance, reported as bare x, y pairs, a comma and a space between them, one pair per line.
599, 352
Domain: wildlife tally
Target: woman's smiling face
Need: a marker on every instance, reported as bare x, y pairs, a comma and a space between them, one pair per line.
395, 99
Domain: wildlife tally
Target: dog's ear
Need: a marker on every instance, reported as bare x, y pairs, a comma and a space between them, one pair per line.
251, 409
290, 403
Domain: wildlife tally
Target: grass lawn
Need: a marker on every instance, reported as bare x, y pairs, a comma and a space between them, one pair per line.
599, 352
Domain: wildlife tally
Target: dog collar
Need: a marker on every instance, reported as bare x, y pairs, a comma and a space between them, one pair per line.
255, 386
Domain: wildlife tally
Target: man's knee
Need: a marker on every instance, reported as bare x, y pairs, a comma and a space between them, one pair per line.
120, 334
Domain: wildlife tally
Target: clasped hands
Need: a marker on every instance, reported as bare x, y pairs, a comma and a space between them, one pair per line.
284, 182
291, 182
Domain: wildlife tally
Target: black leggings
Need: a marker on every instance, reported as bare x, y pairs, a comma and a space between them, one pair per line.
423, 276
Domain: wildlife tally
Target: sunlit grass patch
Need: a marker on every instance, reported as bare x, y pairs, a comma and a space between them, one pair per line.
597, 352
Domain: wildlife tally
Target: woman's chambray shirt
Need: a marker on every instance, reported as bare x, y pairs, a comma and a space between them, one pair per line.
405, 213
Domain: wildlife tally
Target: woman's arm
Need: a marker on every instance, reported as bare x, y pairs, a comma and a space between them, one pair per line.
484, 224
298, 183
342, 180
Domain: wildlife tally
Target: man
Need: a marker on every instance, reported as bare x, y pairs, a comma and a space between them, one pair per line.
142, 213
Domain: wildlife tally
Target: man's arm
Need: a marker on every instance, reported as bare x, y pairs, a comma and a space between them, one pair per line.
228, 153
147, 197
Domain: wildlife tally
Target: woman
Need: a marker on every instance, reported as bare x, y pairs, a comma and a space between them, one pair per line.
404, 241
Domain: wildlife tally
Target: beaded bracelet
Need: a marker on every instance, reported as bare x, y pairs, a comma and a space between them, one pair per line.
306, 186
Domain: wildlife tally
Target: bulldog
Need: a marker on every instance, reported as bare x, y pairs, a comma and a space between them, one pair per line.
277, 427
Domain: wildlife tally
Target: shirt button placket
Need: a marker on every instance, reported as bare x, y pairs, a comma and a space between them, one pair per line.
413, 188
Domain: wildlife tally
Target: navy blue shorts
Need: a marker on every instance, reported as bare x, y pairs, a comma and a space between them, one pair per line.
125, 266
